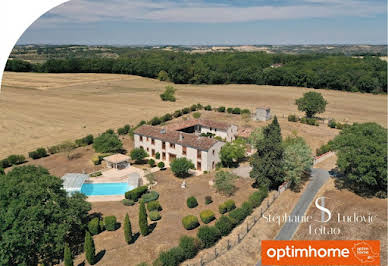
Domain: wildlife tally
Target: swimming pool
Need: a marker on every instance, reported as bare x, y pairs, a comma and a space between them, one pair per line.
100, 189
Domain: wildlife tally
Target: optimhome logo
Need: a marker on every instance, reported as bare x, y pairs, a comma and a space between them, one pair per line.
320, 252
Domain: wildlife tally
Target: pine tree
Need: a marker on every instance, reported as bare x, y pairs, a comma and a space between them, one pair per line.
267, 162
143, 222
68, 259
127, 230
89, 248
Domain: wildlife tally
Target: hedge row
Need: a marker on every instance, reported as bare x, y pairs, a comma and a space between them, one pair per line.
13, 159
38, 153
136, 193
227, 206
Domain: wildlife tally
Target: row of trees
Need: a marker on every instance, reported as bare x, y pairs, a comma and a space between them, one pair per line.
367, 74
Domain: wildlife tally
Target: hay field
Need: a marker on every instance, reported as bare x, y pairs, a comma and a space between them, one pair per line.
38, 109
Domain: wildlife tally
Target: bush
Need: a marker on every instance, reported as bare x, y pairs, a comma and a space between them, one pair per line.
221, 109
190, 246
238, 214
323, 149
185, 110
4, 163
309, 121
229, 110
209, 235
155, 121
150, 196
168, 94
136, 193
102, 225
143, 221
16, 159
193, 108
208, 200
172, 257
224, 182
161, 165
227, 206
207, 108
128, 202
89, 248
181, 166
332, 123
192, 202
151, 162
207, 216
154, 206
2, 171
292, 118
95, 174
247, 207
154, 215
157, 156
94, 226
177, 113
197, 115
199, 106
190, 222
89, 139
138, 154
166, 117
236, 111
245, 111
257, 197
127, 229
38, 153
107, 142
110, 223
225, 225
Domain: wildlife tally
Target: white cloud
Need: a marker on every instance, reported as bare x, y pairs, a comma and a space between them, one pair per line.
86, 11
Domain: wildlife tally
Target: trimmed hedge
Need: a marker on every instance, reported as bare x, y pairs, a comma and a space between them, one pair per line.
238, 214
247, 207
136, 193
209, 235
190, 222
16, 159
227, 206
257, 197
225, 224
94, 226
192, 202
38, 153
154, 215
128, 202
292, 118
172, 257
154, 206
150, 196
110, 223
207, 216
190, 246
161, 165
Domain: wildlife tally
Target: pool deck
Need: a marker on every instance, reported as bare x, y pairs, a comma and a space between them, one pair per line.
105, 198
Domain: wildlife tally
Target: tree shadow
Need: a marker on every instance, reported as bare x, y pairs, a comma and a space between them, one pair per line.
99, 256
135, 237
152, 227
117, 226
82, 264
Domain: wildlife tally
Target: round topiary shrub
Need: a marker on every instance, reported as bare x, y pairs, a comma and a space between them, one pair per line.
128, 202
192, 202
190, 222
151, 162
154, 215
93, 226
161, 165
208, 200
151, 196
207, 216
110, 223
154, 206
209, 235
190, 246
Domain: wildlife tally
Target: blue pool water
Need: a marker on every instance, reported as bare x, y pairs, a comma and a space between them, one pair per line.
98, 189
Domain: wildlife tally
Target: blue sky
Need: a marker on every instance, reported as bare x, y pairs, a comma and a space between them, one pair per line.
154, 22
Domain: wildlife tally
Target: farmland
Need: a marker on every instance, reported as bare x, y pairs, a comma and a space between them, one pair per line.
39, 109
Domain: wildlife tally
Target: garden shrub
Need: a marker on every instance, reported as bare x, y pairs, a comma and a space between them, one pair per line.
54, 149
225, 225
292, 118
238, 214
107, 142
89, 248
4, 163
207, 216
136, 193
143, 220
192, 202
177, 113
245, 111
323, 149
247, 206
172, 257
190, 222
128, 230
154, 206
209, 235
236, 111
208, 200
161, 165
2, 172
151, 162
150, 196
94, 226
157, 156
309, 121
138, 154
166, 117
207, 108
197, 115
229, 110
109, 131
89, 139
38, 153
227, 206
102, 225
155, 121
110, 223
185, 110
332, 123
190, 246
257, 197
222, 208
199, 106
128, 202
154, 215
168, 94
221, 109
16, 159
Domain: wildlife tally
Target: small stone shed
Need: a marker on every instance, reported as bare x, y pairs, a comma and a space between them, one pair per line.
262, 114
117, 161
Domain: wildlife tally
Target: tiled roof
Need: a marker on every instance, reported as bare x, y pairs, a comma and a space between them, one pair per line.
116, 158
193, 122
172, 136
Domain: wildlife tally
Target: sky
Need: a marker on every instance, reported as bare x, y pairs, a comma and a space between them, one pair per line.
211, 22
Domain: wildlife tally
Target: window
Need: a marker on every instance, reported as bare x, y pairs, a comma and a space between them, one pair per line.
172, 145
141, 138
198, 165
163, 156
152, 141
198, 154
163, 145
214, 152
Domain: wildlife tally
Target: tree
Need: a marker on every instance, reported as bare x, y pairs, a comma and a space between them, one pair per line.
89, 248
232, 153
168, 94
362, 157
181, 166
311, 103
107, 142
267, 162
255, 136
68, 259
224, 182
138, 154
298, 159
163, 76
143, 222
37, 222
127, 230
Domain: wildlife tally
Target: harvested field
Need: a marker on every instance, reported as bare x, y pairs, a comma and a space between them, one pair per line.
346, 203
38, 109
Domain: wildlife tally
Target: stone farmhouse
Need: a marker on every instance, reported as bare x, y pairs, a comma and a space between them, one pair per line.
183, 139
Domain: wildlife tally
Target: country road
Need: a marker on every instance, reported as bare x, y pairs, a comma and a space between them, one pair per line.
319, 178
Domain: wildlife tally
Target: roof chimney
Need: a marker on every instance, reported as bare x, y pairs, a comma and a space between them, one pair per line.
163, 130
